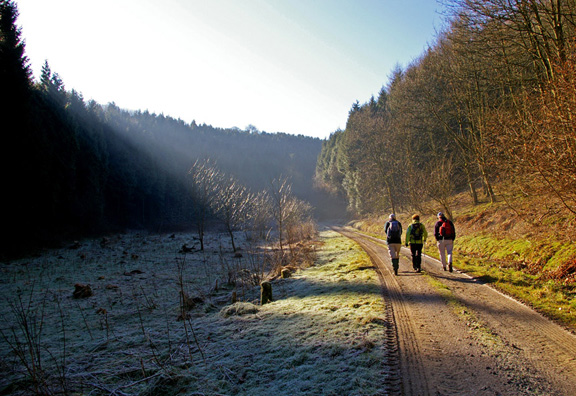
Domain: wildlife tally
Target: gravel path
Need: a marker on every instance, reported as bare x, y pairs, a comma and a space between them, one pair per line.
457, 336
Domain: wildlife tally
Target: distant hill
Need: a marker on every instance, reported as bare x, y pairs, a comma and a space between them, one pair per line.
100, 168
72, 168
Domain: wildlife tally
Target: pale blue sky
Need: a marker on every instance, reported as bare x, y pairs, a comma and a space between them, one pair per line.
293, 66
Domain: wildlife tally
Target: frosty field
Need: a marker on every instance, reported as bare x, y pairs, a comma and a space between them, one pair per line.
160, 321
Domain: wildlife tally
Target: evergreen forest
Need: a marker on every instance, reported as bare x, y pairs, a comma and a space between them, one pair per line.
72, 168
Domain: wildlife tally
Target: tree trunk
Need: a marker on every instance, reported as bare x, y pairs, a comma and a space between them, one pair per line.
265, 293
390, 197
471, 186
487, 186
231, 233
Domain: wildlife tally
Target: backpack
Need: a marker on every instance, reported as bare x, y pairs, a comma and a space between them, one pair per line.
446, 229
394, 230
416, 231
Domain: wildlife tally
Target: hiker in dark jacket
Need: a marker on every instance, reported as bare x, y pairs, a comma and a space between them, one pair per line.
445, 234
416, 235
393, 231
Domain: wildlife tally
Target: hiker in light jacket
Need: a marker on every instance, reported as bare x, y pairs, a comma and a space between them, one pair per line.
393, 231
416, 235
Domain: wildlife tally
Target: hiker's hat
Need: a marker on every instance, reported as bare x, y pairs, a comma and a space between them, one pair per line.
440, 214
392, 216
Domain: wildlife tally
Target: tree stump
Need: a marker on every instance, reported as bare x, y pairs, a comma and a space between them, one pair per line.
265, 292
285, 273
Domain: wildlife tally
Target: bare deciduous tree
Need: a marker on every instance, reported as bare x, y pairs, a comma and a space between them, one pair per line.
204, 176
231, 204
281, 199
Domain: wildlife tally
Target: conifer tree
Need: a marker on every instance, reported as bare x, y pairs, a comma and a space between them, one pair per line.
15, 73
15, 129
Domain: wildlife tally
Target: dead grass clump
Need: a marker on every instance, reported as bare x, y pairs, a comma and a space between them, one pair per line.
286, 272
372, 319
186, 249
530, 267
301, 255
366, 345
566, 272
188, 302
239, 309
301, 231
133, 272
82, 291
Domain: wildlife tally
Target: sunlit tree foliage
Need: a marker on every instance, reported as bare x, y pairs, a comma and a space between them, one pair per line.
489, 103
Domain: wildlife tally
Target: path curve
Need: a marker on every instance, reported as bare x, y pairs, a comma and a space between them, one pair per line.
457, 336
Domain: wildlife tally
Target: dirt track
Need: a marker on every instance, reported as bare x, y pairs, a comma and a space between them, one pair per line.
456, 336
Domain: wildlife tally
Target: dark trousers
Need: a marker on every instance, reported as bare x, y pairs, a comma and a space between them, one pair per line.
416, 249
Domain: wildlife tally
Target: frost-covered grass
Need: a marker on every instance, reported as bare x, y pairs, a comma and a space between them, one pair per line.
324, 333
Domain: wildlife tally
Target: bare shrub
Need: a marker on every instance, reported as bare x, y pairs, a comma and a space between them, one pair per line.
44, 366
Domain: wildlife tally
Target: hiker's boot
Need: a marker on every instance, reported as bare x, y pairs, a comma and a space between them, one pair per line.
450, 267
395, 265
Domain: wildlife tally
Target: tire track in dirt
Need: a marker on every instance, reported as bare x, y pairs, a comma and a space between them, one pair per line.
549, 348
410, 371
518, 352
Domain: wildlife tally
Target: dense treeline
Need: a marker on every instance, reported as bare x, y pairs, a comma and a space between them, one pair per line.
491, 105
71, 168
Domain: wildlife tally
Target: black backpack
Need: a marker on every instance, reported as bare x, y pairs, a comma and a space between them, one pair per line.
416, 231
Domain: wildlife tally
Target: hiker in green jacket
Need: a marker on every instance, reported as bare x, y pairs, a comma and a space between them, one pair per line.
416, 235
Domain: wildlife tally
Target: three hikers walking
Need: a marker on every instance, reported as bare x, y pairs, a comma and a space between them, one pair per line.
416, 236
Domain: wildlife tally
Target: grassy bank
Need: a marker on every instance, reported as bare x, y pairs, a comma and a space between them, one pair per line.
539, 283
